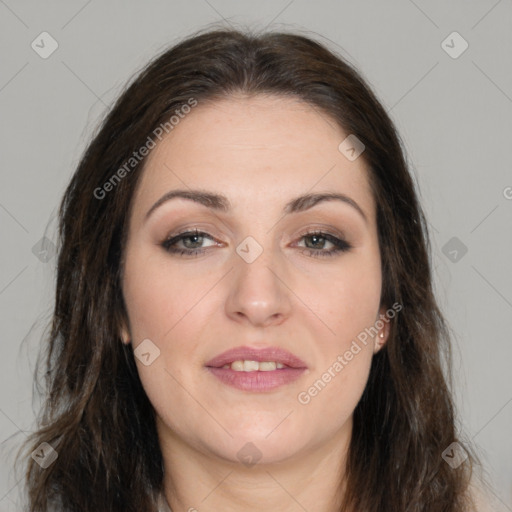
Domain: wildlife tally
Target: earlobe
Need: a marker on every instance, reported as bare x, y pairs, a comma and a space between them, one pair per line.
125, 335
383, 334
380, 341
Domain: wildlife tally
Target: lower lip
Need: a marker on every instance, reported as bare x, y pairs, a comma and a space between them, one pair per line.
257, 381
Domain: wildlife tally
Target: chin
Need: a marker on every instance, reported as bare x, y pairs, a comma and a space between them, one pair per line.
249, 448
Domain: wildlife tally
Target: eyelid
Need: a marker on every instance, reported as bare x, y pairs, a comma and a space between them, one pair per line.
207, 229
328, 230
188, 232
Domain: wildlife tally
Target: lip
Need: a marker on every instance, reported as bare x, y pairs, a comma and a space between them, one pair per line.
257, 381
244, 353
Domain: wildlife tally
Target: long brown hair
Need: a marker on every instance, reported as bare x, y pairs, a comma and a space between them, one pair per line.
96, 415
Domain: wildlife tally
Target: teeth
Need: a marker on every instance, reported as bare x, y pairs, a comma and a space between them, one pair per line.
251, 366
254, 366
238, 366
267, 366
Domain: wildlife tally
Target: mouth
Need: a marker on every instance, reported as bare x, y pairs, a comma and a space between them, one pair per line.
256, 370
267, 359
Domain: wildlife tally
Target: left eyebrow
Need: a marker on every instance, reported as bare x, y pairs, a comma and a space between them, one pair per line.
307, 201
221, 203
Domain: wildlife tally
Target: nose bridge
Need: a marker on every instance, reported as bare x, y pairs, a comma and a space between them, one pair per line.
258, 291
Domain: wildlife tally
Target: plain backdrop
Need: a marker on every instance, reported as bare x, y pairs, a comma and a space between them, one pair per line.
442, 70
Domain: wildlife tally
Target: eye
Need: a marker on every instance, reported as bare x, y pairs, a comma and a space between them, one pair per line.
318, 240
192, 243
192, 240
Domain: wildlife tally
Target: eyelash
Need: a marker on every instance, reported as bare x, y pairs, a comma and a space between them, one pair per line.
339, 245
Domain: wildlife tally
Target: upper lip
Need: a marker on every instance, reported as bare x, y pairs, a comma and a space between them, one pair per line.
244, 353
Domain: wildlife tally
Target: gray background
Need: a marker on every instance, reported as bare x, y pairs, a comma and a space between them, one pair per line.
454, 115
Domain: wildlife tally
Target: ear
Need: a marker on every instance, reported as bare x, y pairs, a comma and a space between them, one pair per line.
383, 324
124, 333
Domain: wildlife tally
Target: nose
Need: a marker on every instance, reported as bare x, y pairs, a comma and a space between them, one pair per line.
259, 293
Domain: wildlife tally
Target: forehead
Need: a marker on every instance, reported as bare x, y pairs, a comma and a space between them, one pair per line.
263, 149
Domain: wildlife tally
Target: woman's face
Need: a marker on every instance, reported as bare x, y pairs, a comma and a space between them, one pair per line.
253, 278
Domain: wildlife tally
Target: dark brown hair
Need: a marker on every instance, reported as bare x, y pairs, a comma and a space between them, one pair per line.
96, 414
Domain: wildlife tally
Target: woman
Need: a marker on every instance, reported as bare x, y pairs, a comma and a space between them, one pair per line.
244, 315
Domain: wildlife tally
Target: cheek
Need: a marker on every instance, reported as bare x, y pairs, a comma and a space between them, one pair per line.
358, 299
157, 299
345, 352
167, 307
349, 299
161, 308
339, 376
335, 392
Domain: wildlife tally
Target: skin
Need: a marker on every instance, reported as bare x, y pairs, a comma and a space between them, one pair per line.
260, 152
